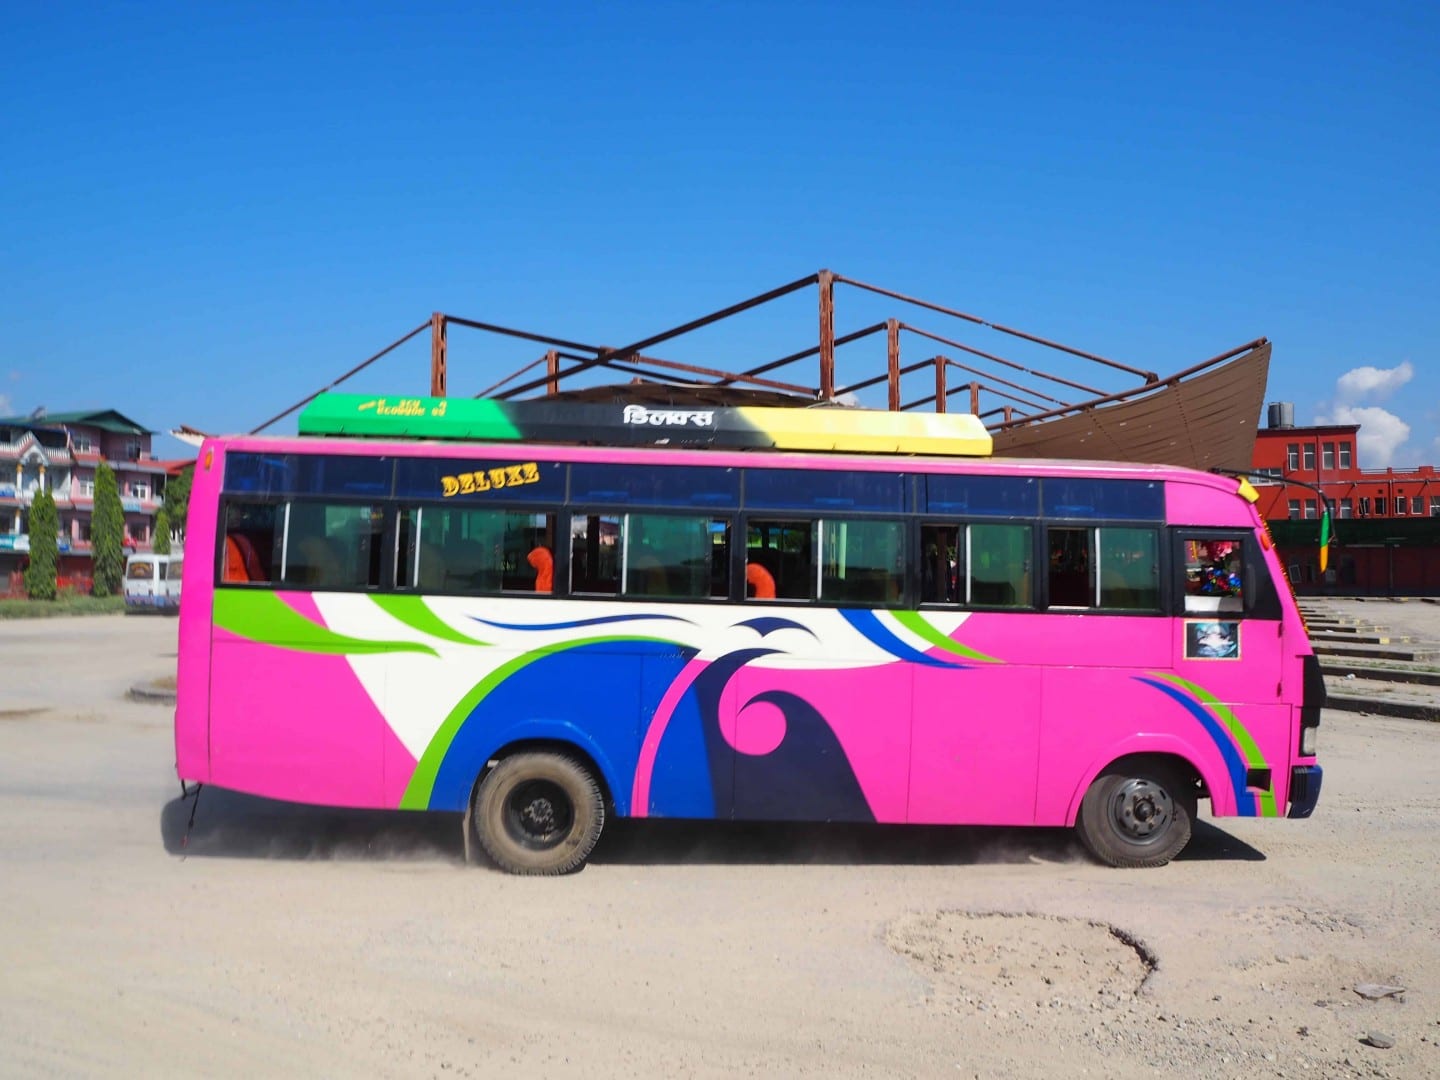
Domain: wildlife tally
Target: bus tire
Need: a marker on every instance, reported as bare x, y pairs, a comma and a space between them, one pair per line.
1136, 814
538, 813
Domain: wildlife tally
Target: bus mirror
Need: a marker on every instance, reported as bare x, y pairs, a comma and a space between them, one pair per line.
1247, 491
1325, 538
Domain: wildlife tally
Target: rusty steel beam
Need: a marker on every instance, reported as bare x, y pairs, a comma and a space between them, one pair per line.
552, 370
940, 394
826, 282
696, 369
892, 363
353, 371
525, 335
974, 399
437, 355
604, 355
804, 353
1148, 376
1004, 382
865, 384
999, 359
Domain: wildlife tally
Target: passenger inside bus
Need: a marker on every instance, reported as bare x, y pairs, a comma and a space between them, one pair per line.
543, 561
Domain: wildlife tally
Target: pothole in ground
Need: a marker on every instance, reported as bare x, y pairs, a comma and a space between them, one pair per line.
1021, 961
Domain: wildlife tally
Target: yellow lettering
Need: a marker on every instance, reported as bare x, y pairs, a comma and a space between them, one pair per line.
514, 475
449, 486
481, 484
467, 483
497, 478
531, 472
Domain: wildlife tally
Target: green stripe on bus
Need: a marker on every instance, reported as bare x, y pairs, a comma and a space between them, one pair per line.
1253, 757
261, 616
917, 625
416, 614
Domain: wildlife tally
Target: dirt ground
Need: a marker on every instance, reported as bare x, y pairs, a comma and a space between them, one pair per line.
289, 940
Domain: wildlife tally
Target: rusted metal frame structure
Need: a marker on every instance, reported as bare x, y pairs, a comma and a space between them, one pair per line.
565, 359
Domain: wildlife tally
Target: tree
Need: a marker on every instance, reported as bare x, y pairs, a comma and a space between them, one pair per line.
40, 578
107, 533
161, 544
176, 499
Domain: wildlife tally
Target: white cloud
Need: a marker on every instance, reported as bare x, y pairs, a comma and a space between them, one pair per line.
1381, 432
1374, 383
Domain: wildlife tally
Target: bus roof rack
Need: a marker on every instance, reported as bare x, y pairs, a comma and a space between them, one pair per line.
620, 424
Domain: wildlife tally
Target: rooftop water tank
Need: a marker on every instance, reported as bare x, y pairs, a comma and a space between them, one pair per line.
1281, 414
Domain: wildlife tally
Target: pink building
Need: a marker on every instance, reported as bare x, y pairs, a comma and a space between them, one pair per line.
60, 452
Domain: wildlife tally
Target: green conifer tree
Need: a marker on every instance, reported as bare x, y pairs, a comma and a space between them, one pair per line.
161, 544
176, 499
107, 533
40, 578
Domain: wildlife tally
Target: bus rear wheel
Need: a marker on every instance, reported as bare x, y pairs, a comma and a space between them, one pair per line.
1136, 815
538, 813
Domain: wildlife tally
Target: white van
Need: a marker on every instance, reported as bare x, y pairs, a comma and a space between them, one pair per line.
152, 582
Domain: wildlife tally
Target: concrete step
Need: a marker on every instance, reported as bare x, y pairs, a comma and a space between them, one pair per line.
1343, 667
1418, 654
1355, 638
1383, 698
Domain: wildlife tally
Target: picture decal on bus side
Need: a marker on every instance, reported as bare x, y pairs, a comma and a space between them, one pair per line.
1209, 639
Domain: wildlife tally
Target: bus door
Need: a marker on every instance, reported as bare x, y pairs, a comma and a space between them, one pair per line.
1230, 648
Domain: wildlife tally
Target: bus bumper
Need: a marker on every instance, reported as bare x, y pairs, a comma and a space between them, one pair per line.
1304, 790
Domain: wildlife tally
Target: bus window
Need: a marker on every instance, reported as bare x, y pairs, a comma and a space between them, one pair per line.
252, 532
1071, 573
140, 571
940, 561
668, 555
1214, 574
466, 550
998, 561
595, 553
783, 549
331, 546
1129, 568
860, 562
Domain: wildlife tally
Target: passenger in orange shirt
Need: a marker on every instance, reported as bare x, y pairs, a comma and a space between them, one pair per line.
544, 563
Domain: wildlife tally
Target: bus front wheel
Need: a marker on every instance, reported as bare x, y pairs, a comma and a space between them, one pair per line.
1136, 814
538, 813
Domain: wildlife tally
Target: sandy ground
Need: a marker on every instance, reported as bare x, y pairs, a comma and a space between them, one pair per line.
293, 941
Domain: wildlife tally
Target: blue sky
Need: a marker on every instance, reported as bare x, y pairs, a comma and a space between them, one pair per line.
212, 210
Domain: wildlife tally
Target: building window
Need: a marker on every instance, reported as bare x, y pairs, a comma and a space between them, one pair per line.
1417, 505
1435, 505
1379, 506
1309, 457
1292, 456
1364, 506
1327, 455
1344, 455
1401, 507
140, 490
1310, 510
1347, 508
1294, 509
86, 488
80, 443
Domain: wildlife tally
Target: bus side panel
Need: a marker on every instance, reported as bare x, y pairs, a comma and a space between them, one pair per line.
977, 732
192, 687
1094, 716
289, 724
827, 744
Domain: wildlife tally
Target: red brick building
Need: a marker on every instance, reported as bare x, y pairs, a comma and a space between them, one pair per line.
1387, 521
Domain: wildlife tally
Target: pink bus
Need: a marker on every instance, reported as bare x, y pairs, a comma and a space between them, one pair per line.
538, 636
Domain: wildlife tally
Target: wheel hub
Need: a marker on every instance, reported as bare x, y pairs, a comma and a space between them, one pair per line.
1142, 809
